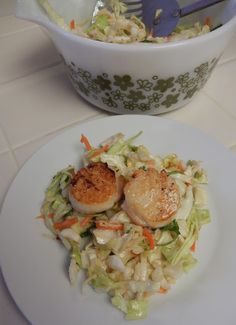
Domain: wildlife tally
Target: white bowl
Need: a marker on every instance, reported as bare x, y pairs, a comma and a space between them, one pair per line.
136, 78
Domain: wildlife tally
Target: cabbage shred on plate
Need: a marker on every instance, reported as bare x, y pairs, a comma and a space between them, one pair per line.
125, 260
110, 25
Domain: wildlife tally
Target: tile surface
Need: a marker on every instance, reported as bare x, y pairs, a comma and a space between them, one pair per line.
23, 153
10, 24
230, 52
222, 86
7, 7
42, 53
3, 142
200, 113
43, 103
37, 102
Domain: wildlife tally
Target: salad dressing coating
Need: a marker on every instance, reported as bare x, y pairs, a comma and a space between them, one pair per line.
129, 219
112, 26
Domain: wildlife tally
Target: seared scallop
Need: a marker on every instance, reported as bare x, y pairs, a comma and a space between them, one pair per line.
152, 198
95, 189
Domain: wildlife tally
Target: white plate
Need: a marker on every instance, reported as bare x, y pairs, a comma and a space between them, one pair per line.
34, 267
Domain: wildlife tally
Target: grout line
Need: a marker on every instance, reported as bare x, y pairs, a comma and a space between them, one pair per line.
6, 141
57, 62
225, 61
9, 147
5, 151
7, 34
13, 16
213, 99
37, 70
219, 105
7, 15
54, 131
223, 110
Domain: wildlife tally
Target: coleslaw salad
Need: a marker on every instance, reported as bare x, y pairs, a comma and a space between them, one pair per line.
111, 25
128, 261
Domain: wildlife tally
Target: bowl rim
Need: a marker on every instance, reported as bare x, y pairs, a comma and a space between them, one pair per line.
139, 45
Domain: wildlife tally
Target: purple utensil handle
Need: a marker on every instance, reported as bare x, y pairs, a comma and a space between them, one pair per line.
199, 5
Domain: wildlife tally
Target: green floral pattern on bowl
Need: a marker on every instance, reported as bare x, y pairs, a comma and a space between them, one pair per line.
124, 92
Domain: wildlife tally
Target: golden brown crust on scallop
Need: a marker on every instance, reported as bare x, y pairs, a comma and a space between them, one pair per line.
94, 184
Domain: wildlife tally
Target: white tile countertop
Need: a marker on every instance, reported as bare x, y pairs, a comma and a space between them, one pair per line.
37, 102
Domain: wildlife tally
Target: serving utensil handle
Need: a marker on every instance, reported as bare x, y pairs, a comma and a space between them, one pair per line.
199, 5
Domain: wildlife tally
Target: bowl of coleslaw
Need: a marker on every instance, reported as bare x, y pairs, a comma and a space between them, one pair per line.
116, 65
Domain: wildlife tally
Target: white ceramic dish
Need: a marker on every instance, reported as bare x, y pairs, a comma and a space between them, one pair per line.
34, 266
136, 78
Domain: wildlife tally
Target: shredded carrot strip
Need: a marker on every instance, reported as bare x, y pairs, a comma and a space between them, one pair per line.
147, 294
50, 216
86, 220
65, 224
147, 233
40, 217
100, 150
193, 247
208, 21
72, 24
187, 183
162, 290
109, 226
85, 141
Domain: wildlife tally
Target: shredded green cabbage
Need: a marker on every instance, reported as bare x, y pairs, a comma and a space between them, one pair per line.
111, 25
55, 203
136, 309
121, 262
